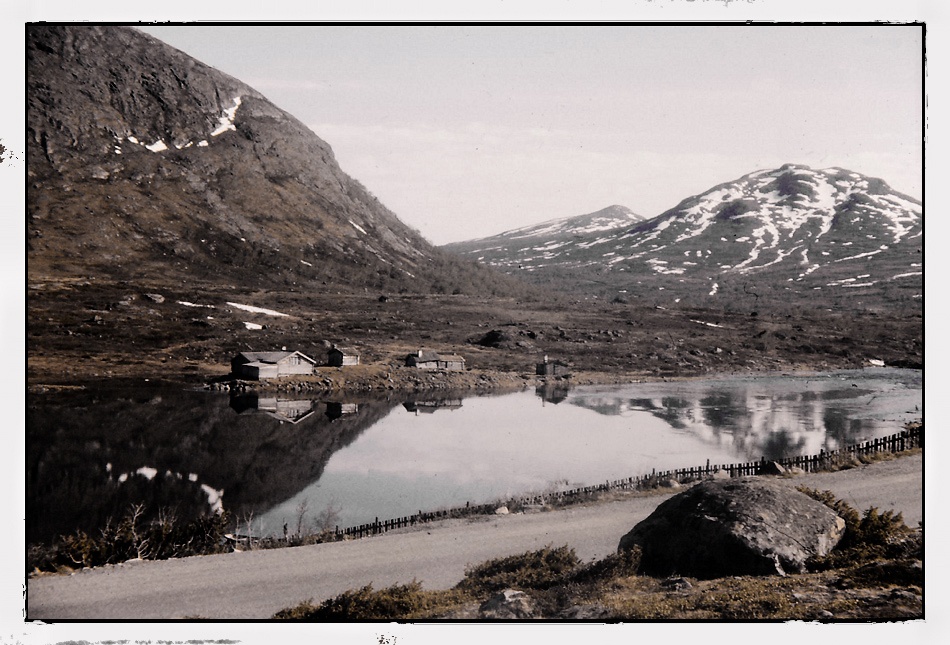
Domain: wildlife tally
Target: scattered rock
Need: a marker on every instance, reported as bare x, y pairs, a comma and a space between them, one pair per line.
739, 527
508, 604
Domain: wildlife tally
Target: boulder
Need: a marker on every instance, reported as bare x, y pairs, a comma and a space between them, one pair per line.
508, 604
773, 468
746, 526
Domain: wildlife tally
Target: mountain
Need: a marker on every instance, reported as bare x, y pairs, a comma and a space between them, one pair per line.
144, 163
830, 236
539, 242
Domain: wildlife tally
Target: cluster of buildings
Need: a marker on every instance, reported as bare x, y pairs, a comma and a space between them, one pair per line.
256, 366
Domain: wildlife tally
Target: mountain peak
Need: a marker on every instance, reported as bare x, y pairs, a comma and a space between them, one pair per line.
790, 229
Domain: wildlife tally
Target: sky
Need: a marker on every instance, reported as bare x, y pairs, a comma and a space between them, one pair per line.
467, 131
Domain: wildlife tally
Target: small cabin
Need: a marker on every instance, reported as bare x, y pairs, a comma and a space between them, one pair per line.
340, 356
552, 368
429, 360
255, 366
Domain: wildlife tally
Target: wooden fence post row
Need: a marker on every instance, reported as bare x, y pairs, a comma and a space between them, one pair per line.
905, 440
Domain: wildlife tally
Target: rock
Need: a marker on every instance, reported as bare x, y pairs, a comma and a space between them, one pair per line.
501, 510
773, 468
670, 483
677, 584
742, 526
495, 338
508, 604
584, 612
155, 297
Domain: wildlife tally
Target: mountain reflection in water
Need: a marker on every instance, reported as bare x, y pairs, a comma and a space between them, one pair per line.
90, 454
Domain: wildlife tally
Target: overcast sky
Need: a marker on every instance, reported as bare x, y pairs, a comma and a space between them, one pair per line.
468, 131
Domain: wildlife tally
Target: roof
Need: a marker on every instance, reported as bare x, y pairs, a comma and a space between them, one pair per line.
451, 358
344, 350
270, 357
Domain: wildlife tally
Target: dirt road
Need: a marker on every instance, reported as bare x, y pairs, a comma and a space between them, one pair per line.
256, 584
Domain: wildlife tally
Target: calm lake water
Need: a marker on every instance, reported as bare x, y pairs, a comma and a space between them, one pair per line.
271, 462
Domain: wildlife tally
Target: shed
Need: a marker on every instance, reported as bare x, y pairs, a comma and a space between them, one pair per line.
262, 365
340, 356
552, 368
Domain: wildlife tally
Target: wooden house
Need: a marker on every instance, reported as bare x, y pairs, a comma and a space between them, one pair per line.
340, 356
429, 360
255, 366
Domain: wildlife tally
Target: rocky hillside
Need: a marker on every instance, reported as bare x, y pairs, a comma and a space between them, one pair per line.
146, 163
830, 236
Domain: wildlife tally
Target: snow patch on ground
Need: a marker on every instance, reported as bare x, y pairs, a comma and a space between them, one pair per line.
256, 310
226, 120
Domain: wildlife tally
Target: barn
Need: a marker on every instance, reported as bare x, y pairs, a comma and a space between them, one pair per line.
256, 366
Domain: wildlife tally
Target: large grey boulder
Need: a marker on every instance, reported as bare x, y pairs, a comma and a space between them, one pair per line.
742, 526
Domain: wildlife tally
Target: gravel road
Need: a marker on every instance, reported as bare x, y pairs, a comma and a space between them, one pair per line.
256, 584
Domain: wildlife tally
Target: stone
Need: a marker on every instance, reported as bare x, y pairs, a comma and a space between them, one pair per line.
743, 526
508, 604
773, 468
585, 612
677, 583
501, 510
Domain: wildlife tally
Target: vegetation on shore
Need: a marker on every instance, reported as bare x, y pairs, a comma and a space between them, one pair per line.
875, 573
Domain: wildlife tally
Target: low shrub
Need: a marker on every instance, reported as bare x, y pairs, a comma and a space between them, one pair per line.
867, 537
131, 538
395, 602
540, 569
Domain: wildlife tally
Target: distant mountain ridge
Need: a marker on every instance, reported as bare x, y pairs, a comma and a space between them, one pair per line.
790, 231
145, 162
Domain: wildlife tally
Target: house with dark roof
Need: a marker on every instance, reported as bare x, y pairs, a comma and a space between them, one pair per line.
255, 366
430, 360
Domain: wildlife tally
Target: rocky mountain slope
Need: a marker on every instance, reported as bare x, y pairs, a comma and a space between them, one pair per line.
832, 236
143, 162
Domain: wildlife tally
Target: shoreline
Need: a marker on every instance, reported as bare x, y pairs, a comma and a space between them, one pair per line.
231, 585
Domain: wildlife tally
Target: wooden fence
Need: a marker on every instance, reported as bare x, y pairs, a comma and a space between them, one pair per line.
912, 437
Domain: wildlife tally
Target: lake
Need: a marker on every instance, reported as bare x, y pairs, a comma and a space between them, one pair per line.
295, 461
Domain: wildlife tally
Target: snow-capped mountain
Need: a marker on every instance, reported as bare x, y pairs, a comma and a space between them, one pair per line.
540, 242
793, 229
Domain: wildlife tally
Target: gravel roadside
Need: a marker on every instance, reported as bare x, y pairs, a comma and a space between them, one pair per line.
256, 584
